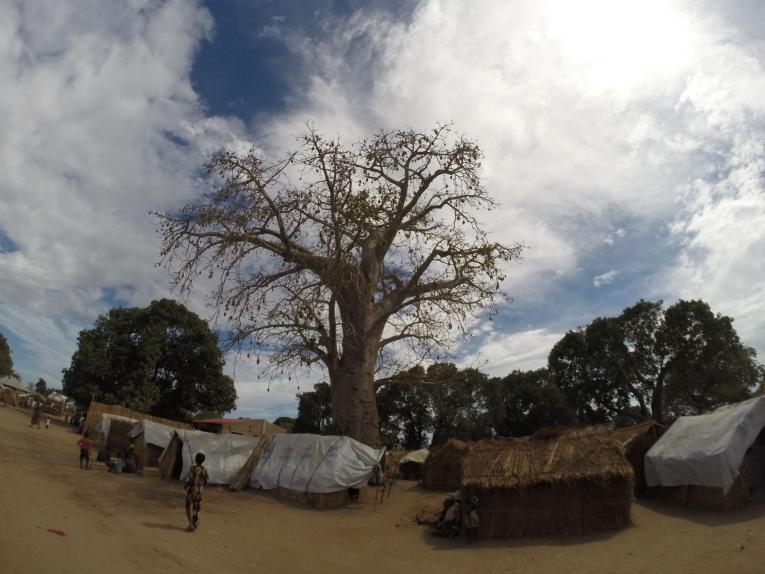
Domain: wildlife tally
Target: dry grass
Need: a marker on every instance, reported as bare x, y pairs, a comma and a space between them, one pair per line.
571, 484
443, 468
512, 463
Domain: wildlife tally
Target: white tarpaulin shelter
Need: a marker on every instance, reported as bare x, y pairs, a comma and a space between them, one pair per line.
57, 398
105, 423
224, 454
154, 433
417, 456
706, 450
314, 463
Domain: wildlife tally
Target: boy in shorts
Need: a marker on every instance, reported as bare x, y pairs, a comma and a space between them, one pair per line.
195, 482
84, 444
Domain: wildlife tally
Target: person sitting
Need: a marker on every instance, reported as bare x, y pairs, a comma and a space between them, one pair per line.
449, 523
116, 465
130, 464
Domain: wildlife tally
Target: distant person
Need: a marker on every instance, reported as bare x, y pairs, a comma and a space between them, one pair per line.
84, 444
131, 467
117, 466
36, 416
47, 423
195, 482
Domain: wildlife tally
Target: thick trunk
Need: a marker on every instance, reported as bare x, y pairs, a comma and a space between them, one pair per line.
354, 403
657, 402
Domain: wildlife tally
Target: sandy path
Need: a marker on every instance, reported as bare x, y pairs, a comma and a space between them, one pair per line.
129, 524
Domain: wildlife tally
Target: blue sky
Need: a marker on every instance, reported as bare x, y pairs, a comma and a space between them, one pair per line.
624, 141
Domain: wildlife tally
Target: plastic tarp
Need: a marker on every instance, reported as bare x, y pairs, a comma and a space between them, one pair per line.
706, 450
419, 456
314, 463
105, 423
224, 454
154, 433
57, 398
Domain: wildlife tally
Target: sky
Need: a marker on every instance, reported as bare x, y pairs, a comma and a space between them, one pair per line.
624, 141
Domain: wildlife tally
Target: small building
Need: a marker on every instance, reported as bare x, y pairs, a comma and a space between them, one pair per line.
636, 440
225, 454
10, 388
712, 461
568, 485
442, 470
410, 465
247, 427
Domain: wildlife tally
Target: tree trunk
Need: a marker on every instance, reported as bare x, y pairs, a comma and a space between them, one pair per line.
354, 402
657, 401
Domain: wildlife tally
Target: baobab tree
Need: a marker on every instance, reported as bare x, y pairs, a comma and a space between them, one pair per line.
350, 257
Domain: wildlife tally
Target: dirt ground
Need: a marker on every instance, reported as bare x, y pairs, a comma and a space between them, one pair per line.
55, 518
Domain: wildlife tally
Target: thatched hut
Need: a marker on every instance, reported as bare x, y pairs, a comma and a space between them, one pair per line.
561, 486
443, 468
636, 440
9, 397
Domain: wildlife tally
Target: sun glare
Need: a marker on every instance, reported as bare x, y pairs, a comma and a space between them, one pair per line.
619, 46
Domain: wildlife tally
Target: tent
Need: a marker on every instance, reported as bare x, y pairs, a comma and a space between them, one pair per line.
410, 465
224, 454
537, 487
150, 439
111, 432
709, 452
314, 463
57, 398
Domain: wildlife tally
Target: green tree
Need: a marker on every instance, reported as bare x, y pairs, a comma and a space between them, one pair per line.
524, 402
681, 360
369, 248
405, 410
456, 402
315, 411
6, 361
287, 423
162, 359
41, 387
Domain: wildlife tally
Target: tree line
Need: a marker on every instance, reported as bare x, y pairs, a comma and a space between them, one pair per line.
649, 362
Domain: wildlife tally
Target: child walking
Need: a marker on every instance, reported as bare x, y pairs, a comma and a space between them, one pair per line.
195, 482
84, 444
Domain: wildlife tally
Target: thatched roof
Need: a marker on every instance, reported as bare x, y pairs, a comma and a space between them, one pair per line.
443, 467
518, 463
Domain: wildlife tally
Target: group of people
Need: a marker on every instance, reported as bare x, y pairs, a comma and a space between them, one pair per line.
37, 416
457, 514
126, 463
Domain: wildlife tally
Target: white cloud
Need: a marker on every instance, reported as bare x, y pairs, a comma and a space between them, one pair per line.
99, 125
586, 114
500, 353
605, 278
